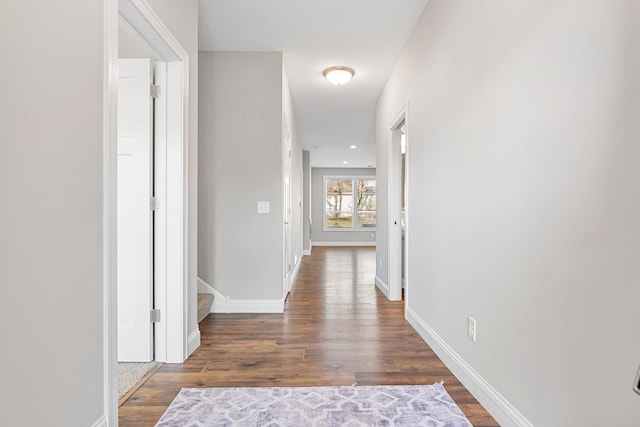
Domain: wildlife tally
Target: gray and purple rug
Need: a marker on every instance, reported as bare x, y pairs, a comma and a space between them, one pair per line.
424, 405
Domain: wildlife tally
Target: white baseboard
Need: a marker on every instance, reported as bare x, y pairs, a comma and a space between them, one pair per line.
306, 252
384, 288
193, 342
102, 422
343, 243
499, 407
204, 287
255, 306
225, 304
294, 274
220, 303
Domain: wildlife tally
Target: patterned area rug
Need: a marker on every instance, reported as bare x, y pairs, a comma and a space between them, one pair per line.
425, 405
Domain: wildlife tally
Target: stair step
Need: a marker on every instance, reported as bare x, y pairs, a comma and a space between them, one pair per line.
205, 301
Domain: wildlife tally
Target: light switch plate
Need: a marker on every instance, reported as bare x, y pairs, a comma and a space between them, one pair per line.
263, 207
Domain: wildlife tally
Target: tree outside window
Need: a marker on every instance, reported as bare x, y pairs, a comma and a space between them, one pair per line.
350, 203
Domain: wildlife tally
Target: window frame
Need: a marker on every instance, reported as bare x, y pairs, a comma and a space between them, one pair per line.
354, 209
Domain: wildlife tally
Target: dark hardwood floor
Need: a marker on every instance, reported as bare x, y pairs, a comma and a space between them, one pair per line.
337, 329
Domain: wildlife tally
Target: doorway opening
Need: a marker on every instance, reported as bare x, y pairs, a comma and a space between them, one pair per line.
287, 265
168, 203
398, 208
170, 171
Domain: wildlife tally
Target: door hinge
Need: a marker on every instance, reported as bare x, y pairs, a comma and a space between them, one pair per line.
154, 204
155, 91
155, 315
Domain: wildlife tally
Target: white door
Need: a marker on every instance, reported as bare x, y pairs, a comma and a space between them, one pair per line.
135, 217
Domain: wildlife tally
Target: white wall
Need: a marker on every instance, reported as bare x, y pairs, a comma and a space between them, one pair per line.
523, 149
240, 251
318, 235
51, 80
181, 18
129, 48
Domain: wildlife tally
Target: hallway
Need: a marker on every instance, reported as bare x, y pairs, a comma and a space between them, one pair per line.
337, 329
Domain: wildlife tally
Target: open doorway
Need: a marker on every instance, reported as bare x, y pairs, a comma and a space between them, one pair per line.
398, 203
287, 266
170, 70
168, 180
135, 218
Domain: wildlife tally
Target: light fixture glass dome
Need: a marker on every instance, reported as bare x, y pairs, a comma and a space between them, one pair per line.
339, 75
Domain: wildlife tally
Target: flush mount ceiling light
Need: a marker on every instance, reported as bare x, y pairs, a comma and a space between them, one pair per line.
353, 147
339, 75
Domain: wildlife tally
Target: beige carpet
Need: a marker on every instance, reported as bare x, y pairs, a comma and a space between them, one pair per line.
129, 374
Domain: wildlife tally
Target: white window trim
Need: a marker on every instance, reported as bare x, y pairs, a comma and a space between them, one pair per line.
354, 212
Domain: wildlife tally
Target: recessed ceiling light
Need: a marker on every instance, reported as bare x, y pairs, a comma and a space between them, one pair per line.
353, 147
345, 162
339, 75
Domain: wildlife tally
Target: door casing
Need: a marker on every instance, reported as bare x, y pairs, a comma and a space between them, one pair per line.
143, 25
394, 205
287, 263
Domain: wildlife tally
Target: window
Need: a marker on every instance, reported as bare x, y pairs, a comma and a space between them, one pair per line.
350, 203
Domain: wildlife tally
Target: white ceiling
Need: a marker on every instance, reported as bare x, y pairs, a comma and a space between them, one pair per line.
367, 35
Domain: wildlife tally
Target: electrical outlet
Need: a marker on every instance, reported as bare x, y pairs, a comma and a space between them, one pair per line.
471, 328
263, 207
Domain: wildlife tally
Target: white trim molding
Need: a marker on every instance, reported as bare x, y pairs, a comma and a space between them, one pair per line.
204, 287
109, 215
382, 285
342, 244
306, 252
294, 274
255, 306
225, 304
193, 342
499, 407
102, 422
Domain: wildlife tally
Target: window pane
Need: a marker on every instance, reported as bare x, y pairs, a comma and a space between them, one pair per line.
366, 195
339, 208
366, 219
339, 220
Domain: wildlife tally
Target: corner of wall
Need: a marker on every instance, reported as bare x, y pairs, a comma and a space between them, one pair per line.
193, 341
382, 285
497, 405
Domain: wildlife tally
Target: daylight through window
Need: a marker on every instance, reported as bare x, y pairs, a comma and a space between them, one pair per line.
350, 203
